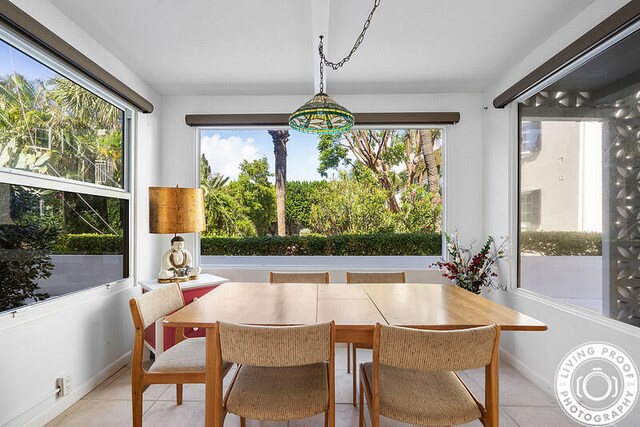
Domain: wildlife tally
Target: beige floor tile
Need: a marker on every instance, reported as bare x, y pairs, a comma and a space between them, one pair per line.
168, 414
98, 413
523, 404
539, 416
190, 393
194, 392
344, 387
341, 356
515, 389
120, 388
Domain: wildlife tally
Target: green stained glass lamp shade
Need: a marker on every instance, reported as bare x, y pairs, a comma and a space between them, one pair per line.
321, 115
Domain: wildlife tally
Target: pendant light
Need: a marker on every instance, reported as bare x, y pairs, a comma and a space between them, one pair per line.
321, 114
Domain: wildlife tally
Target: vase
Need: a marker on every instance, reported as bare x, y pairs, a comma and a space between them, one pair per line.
474, 286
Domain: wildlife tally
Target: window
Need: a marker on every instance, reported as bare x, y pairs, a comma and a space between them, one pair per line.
369, 192
64, 194
530, 209
579, 227
53, 126
530, 137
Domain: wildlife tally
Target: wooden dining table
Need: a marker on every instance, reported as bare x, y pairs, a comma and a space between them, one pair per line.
354, 308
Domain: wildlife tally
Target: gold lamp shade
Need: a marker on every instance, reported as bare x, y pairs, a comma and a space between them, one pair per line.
175, 210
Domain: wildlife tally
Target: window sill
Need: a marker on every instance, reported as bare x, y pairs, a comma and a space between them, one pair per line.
576, 311
29, 313
369, 263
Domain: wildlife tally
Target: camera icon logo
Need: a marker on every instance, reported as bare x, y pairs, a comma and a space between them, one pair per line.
596, 384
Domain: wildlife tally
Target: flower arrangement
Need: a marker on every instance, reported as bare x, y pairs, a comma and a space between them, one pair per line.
469, 271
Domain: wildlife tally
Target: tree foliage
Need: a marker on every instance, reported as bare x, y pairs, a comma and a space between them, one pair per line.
59, 128
255, 193
225, 215
351, 204
26, 241
421, 210
301, 195
384, 152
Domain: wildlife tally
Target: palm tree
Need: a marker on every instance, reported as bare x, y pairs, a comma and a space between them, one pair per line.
89, 125
22, 109
75, 106
280, 139
426, 146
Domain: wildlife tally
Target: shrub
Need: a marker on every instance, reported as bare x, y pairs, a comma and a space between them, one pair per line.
90, 244
365, 244
24, 262
559, 243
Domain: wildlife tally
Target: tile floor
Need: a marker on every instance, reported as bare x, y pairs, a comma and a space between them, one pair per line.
523, 404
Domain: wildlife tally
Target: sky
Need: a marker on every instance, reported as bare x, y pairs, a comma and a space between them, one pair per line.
12, 60
226, 149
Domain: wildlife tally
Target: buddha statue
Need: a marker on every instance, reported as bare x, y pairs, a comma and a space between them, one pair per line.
177, 263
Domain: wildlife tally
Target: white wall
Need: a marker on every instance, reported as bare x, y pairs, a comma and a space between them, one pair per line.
88, 334
538, 353
463, 141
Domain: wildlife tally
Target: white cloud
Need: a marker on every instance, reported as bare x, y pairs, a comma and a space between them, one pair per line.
226, 154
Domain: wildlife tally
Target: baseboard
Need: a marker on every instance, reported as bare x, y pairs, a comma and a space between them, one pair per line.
537, 379
78, 393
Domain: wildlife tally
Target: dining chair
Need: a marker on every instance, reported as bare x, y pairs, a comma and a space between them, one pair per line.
412, 378
367, 278
284, 372
319, 277
184, 363
377, 277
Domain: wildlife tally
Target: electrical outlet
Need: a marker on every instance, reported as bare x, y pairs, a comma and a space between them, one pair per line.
64, 384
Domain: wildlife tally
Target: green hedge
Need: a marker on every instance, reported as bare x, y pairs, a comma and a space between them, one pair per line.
89, 244
559, 243
548, 243
368, 244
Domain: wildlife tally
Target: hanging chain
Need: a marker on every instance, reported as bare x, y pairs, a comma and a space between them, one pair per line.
321, 69
356, 45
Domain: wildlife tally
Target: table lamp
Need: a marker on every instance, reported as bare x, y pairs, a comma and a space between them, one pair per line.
174, 210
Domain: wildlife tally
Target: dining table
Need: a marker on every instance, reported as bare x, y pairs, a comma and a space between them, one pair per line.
355, 309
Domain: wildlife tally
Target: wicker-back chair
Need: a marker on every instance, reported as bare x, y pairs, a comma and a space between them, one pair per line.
377, 277
184, 363
412, 376
367, 278
284, 373
319, 277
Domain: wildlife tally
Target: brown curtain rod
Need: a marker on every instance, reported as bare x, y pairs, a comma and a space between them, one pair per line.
362, 119
22, 23
618, 21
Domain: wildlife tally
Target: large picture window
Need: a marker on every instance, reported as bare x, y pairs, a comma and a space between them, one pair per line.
64, 191
579, 188
368, 192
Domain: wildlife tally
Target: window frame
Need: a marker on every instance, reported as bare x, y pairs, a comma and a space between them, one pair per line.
293, 262
33, 179
514, 132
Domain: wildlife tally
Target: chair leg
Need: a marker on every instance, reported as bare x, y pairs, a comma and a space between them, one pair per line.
361, 416
178, 394
326, 419
348, 357
354, 379
136, 403
243, 422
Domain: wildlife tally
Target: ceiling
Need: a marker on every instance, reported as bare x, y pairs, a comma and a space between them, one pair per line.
257, 47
